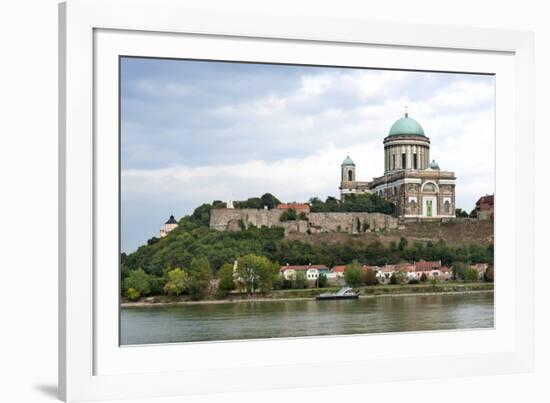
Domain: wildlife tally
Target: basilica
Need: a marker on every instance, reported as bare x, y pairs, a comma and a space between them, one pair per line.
416, 185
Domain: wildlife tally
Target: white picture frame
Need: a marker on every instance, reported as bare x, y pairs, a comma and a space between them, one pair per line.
93, 33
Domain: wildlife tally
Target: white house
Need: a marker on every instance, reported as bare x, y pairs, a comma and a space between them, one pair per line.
312, 274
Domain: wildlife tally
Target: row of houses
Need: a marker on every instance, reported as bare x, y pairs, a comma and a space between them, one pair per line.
413, 270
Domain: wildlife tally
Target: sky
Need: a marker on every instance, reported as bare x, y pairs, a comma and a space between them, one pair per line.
197, 131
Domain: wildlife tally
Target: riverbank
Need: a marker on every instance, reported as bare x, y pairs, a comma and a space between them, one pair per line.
307, 294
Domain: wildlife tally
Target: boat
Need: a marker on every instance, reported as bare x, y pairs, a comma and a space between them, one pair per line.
343, 293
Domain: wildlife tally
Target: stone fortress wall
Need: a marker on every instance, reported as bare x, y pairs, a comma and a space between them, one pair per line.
352, 223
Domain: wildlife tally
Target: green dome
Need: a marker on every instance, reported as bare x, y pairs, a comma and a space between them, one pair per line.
433, 165
406, 127
348, 161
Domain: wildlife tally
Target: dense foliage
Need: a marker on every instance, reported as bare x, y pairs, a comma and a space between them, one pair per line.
354, 274
258, 202
366, 203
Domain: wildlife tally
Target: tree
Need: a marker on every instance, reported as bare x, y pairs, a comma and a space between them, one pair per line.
461, 213
490, 274
459, 270
424, 277
402, 243
302, 216
322, 281
178, 281
470, 275
201, 215
153, 240
219, 204
226, 282
269, 200
200, 274
256, 273
139, 281
473, 213
354, 275
370, 277
300, 280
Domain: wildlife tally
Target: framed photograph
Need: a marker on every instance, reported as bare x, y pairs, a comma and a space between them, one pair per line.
265, 206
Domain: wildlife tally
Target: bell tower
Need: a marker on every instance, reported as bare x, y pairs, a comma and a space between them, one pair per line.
347, 170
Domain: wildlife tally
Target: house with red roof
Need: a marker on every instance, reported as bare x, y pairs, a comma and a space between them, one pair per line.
338, 271
311, 271
431, 269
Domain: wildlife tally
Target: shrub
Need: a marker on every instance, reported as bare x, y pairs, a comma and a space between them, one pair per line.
370, 277
132, 294
424, 277
139, 281
279, 283
470, 275
398, 278
414, 281
288, 215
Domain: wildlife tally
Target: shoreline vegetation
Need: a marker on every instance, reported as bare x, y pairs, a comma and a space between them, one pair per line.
407, 290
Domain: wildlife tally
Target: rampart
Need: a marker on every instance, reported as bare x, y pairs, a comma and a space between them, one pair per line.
351, 223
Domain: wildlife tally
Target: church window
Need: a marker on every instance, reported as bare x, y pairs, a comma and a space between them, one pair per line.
447, 206
403, 161
413, 206
393, 161
415, 161
350, 175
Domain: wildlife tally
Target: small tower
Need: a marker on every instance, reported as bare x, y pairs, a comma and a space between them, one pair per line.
168, 226
348, 170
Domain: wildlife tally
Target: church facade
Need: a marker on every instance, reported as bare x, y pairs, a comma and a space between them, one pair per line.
416, 185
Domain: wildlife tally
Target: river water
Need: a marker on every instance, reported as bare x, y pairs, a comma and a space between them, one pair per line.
291, 318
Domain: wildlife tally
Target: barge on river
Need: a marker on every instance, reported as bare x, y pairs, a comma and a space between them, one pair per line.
344, 293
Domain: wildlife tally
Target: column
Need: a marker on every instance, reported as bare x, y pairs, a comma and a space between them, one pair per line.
428, 160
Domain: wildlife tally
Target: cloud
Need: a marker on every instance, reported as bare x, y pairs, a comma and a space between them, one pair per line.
193, 132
